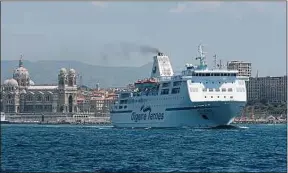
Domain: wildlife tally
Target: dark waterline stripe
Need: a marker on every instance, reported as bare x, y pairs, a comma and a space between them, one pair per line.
189, 108
128, 111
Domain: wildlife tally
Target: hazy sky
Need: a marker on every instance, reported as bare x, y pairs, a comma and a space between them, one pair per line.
92, 32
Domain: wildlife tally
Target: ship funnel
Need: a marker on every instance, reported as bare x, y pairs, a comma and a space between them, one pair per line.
160, 54
161, 66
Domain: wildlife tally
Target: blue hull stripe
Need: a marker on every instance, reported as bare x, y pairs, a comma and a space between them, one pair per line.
189, 108
128, 111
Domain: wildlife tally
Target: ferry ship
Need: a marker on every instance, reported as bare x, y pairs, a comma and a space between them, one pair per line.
199, 97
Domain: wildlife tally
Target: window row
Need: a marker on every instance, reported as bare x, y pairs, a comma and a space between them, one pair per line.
173, 91
219, 97
167, 84
214, 74
217, 89
38, 98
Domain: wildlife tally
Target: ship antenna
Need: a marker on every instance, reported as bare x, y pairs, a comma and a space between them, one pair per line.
215, 61
220, 65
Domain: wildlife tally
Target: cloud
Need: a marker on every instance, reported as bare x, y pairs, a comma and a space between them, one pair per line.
235, 10
196, 7
180, 8
99, 4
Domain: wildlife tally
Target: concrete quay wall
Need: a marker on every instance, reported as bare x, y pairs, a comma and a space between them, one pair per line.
57, 118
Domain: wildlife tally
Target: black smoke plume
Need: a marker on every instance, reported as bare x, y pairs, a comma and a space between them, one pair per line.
125, 50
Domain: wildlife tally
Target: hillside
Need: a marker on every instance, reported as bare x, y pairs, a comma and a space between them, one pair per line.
45, 72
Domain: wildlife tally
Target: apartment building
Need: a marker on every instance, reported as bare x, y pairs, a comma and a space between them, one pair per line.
244, 68
271, 89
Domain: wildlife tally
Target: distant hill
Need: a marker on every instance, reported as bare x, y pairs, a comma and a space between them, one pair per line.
46, 72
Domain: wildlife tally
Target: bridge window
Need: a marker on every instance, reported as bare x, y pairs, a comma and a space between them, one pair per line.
223, 89
177, 83
124, 95
204, 89
164, 91
175, 91
217, 90
166, 84
123, 101
210, 89
230, 90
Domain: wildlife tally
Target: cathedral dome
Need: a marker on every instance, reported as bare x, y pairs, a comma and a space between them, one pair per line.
31, 82
20, 72
23, 92
11, 82
63, 71
6, 81
72, 71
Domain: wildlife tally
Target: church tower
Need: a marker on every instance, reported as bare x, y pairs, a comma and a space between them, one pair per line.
62, 83
67, 102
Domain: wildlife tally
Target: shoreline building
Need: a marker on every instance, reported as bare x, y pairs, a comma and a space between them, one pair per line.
20, 94
268, 89
244, 68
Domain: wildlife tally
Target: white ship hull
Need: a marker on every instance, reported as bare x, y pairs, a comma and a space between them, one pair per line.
211, 115
199, 97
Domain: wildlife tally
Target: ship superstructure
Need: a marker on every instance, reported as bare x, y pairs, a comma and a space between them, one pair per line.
198, 97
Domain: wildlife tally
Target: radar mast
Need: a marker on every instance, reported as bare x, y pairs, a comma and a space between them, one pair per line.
201, 58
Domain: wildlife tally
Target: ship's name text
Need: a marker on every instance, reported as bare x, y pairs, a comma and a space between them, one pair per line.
143, 116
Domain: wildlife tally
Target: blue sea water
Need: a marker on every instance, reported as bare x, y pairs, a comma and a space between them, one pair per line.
75, 148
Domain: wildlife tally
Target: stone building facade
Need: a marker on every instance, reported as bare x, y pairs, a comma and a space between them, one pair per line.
20, 95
